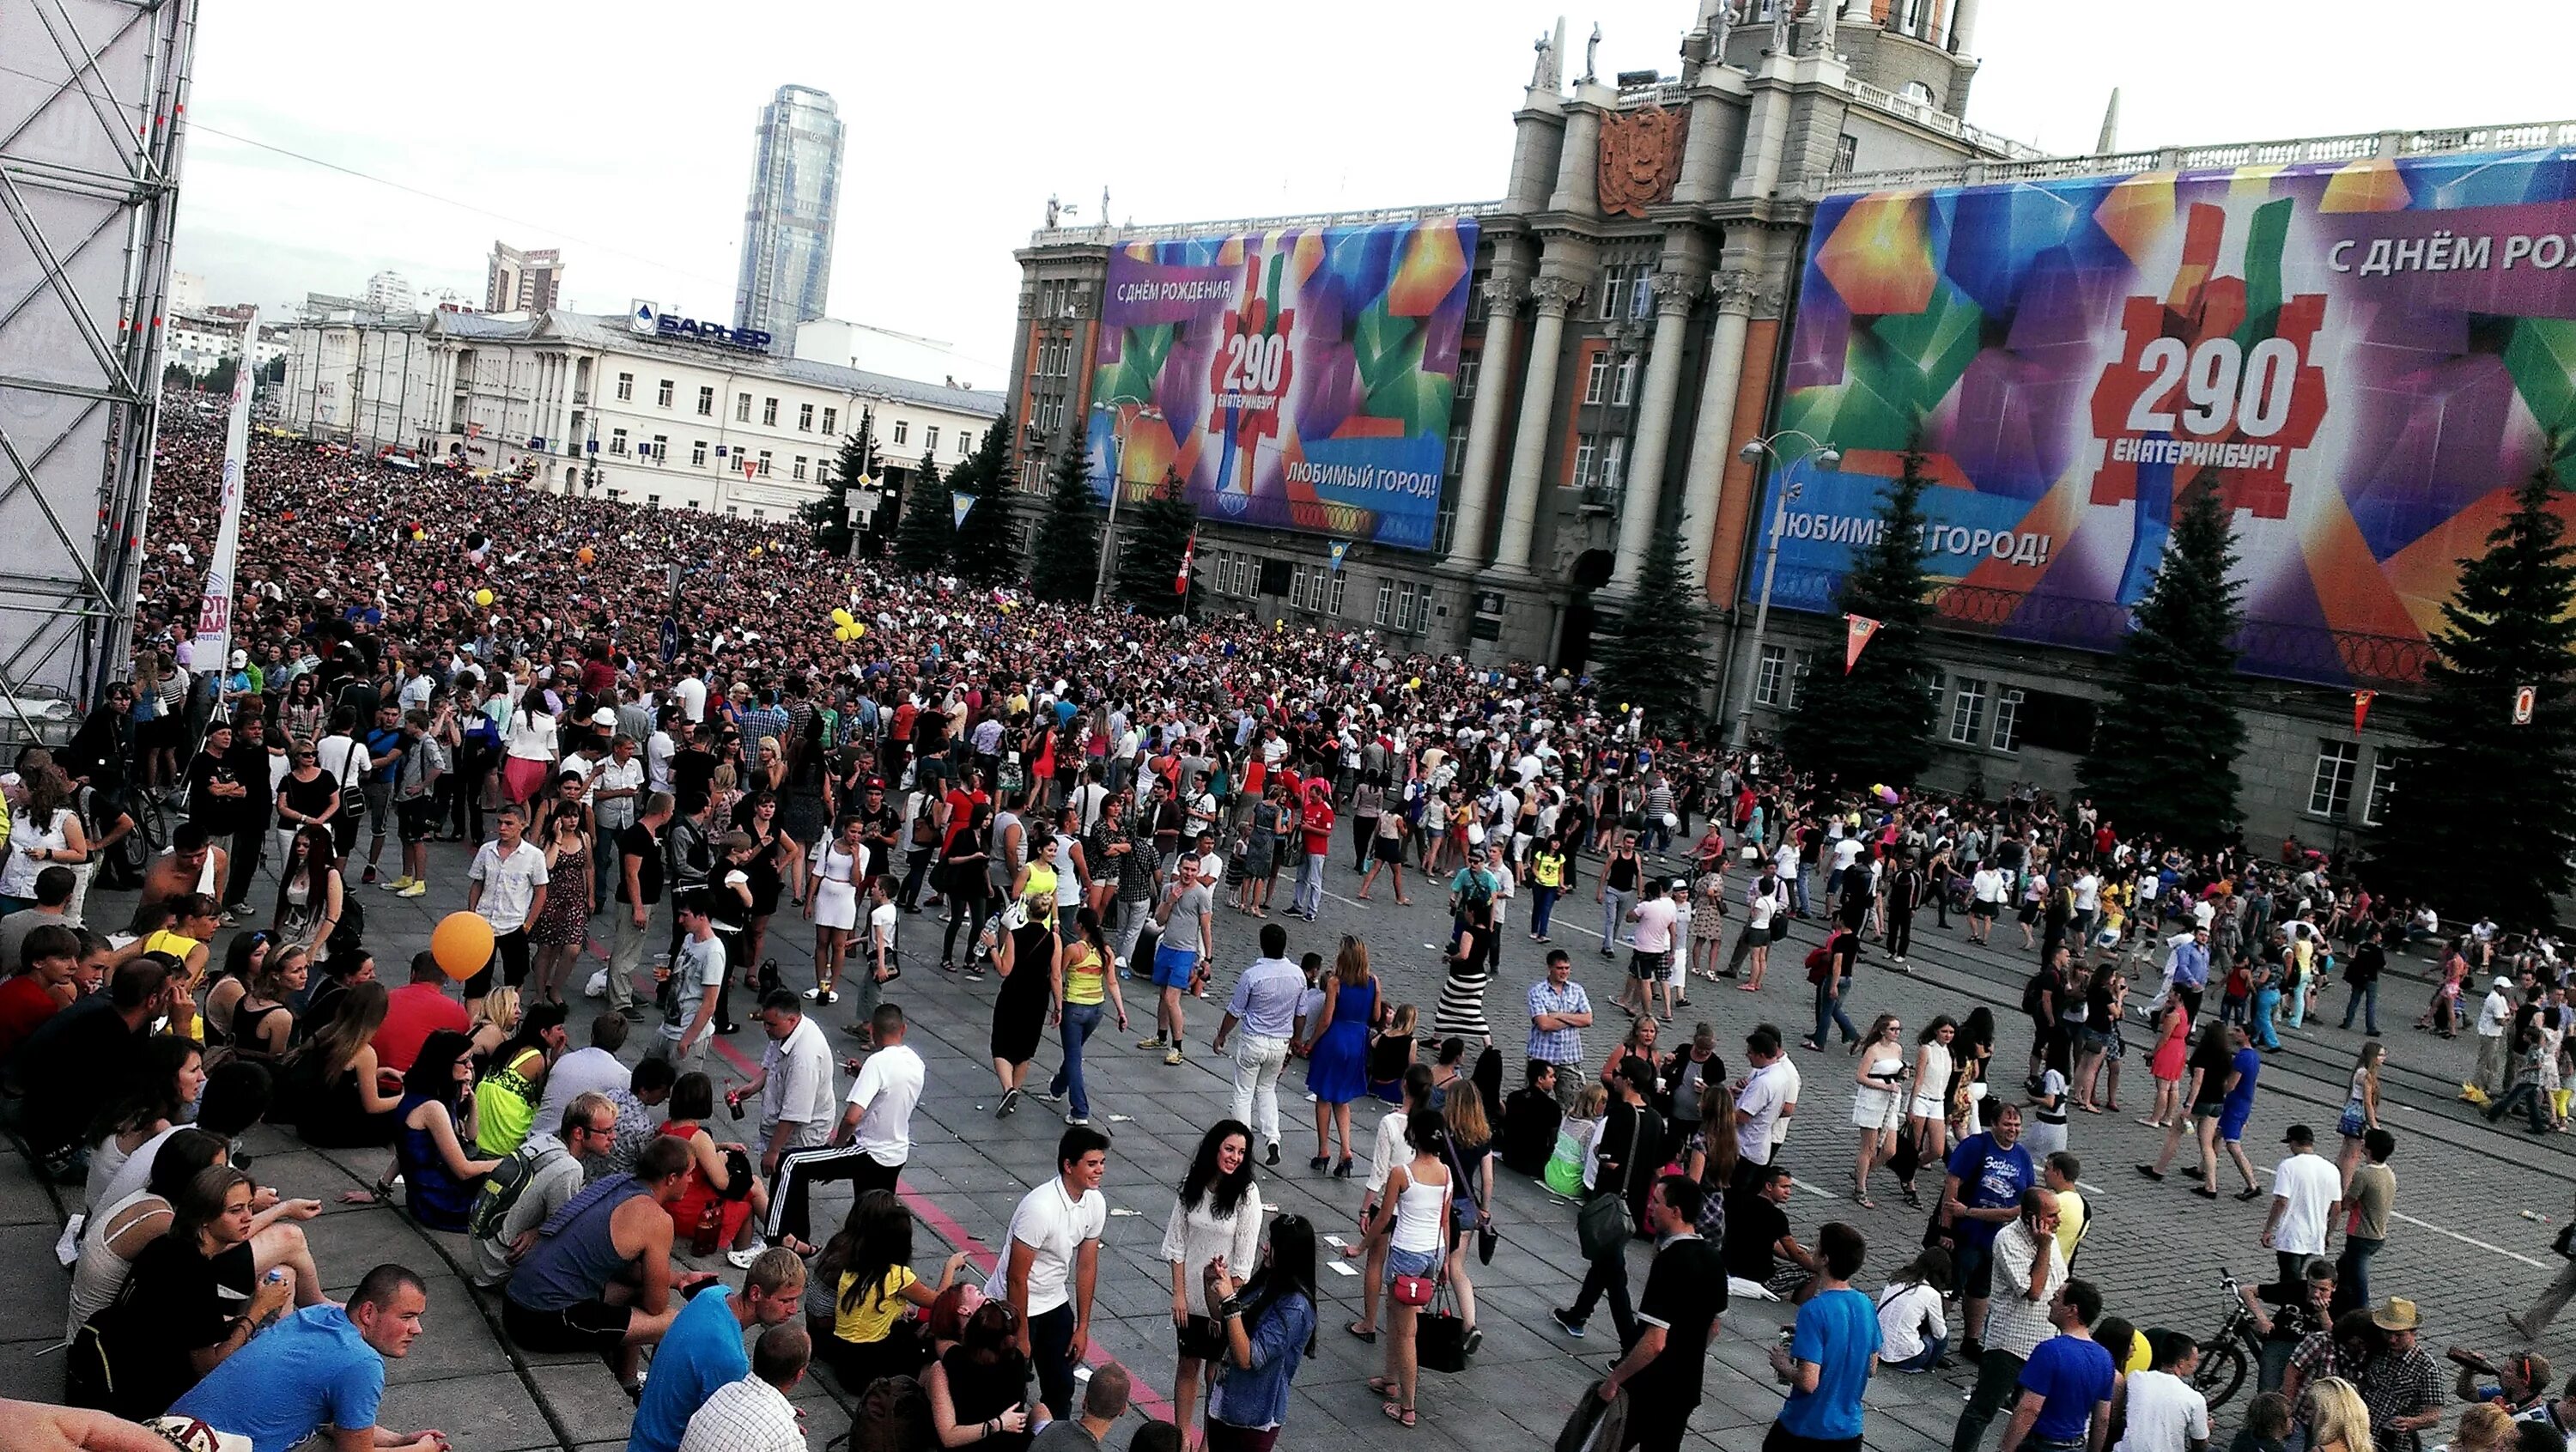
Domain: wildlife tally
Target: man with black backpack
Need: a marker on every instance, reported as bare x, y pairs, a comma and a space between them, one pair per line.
525, 1190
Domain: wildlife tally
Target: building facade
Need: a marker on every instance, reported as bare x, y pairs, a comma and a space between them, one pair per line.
521, 282
589, 405
787, 226
199, 339
1621, 339
391, 292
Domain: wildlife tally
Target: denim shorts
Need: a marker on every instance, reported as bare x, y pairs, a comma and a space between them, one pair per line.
1409, 1263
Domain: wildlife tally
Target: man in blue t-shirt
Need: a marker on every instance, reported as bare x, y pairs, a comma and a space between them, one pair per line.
1980, 1194
703, 1349
321, 1368
2066, 1385
1830, 1355
2227, 1132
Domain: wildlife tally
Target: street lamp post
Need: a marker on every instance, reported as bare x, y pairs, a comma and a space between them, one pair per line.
1753, 452
1117, 476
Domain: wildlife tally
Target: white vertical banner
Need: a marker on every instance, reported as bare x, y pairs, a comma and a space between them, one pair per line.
212, 648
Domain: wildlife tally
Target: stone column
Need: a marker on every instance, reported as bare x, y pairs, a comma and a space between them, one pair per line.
1555, 297
1963, 26
1712, 441
1505, 291
1675, 292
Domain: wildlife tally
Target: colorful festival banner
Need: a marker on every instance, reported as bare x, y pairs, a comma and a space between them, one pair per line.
2362, 359
1297, 379
211, 647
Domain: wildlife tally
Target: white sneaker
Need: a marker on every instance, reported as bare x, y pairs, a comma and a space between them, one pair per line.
742, 1259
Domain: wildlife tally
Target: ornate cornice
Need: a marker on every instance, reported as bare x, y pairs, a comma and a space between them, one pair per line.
1556, 295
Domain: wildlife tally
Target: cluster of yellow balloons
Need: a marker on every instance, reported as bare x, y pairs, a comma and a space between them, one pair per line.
847, 627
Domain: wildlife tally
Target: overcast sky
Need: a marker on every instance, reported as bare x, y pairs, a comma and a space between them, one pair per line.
623, 134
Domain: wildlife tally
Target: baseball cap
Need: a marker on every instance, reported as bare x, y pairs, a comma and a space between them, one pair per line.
2298, 1134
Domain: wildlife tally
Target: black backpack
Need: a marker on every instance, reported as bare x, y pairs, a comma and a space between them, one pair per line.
502, 1188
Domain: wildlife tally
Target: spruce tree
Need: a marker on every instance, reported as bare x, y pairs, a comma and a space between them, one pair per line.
2483, 818
1152, 540
1654, 661
1064, 554
2164, 751
982, 548
921, 542
1874, 724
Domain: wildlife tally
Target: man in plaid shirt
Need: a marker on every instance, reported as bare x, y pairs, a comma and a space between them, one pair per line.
1559, 1011
2399, 1383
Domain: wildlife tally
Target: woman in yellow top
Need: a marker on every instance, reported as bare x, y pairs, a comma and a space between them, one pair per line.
1547, 882
1082, 983
867, 1269
194, 920
513, 1082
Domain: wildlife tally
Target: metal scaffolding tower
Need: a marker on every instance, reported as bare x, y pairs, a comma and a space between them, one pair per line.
93, 109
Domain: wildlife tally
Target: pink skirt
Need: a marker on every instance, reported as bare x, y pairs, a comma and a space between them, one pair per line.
522, 778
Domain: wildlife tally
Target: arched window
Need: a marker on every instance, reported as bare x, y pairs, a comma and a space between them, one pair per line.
1920, 94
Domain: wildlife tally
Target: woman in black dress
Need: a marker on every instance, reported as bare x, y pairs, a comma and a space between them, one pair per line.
1024, 954
777, 865
963, 881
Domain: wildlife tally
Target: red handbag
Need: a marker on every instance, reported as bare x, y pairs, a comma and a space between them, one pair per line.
1414, 1291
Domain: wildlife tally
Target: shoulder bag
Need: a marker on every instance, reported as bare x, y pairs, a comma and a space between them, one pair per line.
1601, 1227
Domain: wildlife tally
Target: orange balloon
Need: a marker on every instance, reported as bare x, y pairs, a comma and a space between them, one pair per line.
462, 944
584, 555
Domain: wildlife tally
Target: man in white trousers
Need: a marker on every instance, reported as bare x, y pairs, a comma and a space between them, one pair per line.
1264, 1006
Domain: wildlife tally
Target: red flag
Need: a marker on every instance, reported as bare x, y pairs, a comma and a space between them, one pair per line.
1857, 629
2361, 708
1181, 582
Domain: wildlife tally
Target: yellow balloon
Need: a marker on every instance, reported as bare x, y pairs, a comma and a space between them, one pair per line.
755, 552
418, 535
1414, 685
840, 615
482, 597
858, 630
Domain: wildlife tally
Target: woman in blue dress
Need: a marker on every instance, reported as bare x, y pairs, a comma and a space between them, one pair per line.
1338, 1069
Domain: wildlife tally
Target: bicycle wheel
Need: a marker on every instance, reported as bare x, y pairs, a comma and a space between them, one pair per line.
2222, 1371
151, 833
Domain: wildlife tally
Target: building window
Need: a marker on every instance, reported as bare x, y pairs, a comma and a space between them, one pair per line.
2330, 787
662, 395
1625, 386
1846, 154
763, 470
653, 499
769, 412
1967, 711
698, 454
661, 448
965, 442
626, 388
2007, 735
831, 420
798, 468
1615, 280
617, 441
1468, 368
1767, 678
733, 509
1584, 451
1317, 587
804, 418
2383, 784
760, 514
929, 440
742, 408
1614, 461
706, 403
1456, 462
1596, 378
902, 426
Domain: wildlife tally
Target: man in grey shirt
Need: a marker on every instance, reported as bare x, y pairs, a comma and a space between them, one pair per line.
1265, 1005
506, 1216
1189, 935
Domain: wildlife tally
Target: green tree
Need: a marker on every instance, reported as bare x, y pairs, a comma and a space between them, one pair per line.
1654, 661
921, 542
2483, 818
1874, 723
1152, 541
1064, 554
219, 379
2163, 758
275, 372
830, 515
982, 548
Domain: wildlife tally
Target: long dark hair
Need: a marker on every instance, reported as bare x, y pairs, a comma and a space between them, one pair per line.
1087, 923
155, 1096
1291, 1272
318, 854
433, 1074
533, 1023
876, 1238
1204, 1175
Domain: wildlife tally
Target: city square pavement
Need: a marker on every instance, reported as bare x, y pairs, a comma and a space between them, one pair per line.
2466, 1245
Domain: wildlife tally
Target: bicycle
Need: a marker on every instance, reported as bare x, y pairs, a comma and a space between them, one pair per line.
2229, 1353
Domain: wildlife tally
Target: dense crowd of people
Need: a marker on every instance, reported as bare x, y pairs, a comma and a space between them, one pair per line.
657, 731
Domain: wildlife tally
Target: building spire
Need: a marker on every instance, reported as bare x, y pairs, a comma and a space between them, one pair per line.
2109, 141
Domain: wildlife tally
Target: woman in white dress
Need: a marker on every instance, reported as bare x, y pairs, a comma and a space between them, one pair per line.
1216, 1215
839, 863
59, 842
1878, 1106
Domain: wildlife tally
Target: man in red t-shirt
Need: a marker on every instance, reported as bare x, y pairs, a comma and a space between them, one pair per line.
415, 1011
1315, 825
52, 955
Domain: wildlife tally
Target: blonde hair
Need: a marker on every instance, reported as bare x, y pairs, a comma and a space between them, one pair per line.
1402, 1023
1592, 1101
2341, 1418
1351, 965
1465, 1114
2483, 1427
501, 1009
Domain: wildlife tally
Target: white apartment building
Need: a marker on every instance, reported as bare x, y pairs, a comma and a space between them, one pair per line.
678, 420
197, 342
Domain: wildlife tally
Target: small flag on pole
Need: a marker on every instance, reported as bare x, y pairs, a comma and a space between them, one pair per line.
960, 504
1340, 548
1189, 550
1857, 629
2361, 708
2522, 700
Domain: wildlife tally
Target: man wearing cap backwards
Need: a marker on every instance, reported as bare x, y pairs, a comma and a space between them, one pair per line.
2307, 1195
2398, 1383
2495, 1016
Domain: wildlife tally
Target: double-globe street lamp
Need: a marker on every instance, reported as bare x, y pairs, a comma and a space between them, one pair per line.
1754, 452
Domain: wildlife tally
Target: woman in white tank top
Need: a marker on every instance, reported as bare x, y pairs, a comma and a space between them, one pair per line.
1414, 1215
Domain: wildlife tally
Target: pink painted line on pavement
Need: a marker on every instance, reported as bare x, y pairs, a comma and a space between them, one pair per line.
1144, 1398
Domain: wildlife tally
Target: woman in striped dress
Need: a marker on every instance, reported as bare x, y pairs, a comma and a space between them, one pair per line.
1461, 1010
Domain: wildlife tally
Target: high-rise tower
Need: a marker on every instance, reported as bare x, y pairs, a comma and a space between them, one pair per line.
787, 227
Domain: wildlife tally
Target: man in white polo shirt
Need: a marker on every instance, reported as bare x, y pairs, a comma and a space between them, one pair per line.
874, 1138
1054, 1257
